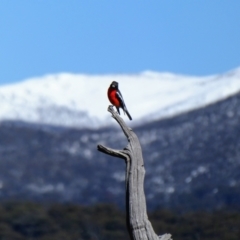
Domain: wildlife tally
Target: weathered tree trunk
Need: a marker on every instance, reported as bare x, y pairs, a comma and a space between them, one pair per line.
138, 225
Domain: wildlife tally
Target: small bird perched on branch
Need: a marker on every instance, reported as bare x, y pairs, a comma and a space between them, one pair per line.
116, 98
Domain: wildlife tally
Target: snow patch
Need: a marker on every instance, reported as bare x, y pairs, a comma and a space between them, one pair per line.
78, 100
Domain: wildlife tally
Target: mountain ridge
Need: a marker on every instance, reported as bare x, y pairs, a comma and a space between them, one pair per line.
80, 100
191, 160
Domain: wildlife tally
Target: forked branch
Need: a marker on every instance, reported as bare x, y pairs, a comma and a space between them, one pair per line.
139, 226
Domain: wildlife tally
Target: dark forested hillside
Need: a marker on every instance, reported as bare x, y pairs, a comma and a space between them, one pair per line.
192, 161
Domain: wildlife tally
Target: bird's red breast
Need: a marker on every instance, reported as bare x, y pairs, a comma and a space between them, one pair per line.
113, 97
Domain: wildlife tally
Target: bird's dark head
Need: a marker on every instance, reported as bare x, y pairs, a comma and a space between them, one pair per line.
114, 85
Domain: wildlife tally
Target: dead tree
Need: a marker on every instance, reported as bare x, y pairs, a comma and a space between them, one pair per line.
139, 227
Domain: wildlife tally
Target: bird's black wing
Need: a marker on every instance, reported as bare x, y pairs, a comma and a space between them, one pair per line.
120, 98
123, 106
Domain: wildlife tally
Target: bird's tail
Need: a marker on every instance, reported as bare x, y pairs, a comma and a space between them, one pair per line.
128, 114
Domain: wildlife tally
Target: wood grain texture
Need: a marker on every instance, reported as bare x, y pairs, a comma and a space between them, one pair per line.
139, 227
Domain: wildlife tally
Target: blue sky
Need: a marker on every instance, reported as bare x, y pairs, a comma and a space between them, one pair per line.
118, 36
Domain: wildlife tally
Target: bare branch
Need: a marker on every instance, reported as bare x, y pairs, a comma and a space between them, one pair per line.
113, 152
139, 227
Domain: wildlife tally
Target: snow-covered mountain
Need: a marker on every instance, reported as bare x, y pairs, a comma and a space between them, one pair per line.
192, 161
78, 100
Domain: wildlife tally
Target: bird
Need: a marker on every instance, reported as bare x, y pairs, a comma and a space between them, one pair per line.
116, 98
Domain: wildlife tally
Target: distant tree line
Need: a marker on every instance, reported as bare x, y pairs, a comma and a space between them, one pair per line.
25, 221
